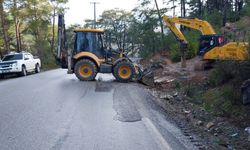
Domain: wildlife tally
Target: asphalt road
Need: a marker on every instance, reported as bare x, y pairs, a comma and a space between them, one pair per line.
55, 111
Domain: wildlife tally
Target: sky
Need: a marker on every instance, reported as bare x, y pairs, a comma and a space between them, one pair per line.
79, 10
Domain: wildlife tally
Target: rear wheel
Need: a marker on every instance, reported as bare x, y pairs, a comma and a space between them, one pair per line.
85, 70
37, 70
124, 71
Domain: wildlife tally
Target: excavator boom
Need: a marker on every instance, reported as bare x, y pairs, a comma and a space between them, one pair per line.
203, 26
211, 45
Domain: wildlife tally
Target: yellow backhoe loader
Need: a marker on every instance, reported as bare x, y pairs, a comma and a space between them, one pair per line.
89, 57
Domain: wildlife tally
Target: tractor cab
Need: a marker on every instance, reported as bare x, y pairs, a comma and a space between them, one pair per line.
89, 40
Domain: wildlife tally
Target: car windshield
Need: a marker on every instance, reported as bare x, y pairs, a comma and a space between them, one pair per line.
13, 57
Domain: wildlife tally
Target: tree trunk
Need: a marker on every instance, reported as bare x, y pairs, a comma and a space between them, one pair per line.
53, 30
240, 5
160, 19
200, 8
4, 27
124, 37
183, 12
225, 12
173, 8
17, 27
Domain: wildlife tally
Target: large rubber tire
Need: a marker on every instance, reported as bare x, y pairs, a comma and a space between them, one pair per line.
85, 70
124, 71
37, 69
24, 71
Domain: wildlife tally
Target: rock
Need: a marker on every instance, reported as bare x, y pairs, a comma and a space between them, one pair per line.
210, 125
218, 130
247, 129
177, 98
166, 96
199, 123
175, 94
186, 111
230, 147
234, 135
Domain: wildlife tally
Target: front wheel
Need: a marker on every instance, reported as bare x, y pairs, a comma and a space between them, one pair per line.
24, 71
85, 70
124, 71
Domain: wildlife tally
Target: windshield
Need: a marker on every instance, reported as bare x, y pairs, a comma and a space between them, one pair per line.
13, 57
88, 41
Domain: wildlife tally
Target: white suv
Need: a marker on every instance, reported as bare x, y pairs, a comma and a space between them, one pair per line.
19, 63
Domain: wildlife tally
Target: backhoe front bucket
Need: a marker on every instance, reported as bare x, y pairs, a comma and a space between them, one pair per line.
147, 75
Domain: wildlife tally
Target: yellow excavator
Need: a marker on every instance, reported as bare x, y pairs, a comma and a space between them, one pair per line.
211, 45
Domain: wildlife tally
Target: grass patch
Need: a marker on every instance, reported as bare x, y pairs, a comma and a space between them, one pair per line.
223, 101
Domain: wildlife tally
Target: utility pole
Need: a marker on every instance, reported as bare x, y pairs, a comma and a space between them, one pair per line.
94, 3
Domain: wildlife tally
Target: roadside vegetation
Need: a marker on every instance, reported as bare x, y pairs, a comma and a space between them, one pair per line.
28, 25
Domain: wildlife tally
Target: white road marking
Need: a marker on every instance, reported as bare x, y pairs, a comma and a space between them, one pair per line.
161, 142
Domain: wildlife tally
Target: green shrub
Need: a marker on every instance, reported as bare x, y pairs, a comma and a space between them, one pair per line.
223, 101
43, 50
175, 55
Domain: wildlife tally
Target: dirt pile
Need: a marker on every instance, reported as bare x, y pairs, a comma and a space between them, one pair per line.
173, 87
237, 31
169, 74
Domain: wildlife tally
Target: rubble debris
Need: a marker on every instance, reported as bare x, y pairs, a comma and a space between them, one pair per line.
247, 129
199, 123
210, 125
186, 111
175, 94
166, 96
234, 135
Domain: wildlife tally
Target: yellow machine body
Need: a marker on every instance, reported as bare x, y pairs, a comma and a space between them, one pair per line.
219, 51
229, 51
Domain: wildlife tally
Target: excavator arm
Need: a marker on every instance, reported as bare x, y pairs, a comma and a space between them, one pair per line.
203, 26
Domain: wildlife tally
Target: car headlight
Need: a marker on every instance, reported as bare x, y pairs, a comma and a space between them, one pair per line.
14, 64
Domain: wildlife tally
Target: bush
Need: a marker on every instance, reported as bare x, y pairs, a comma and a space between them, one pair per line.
194, 93
225, 71
175, 55
221, 73
45, 53
223, 101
